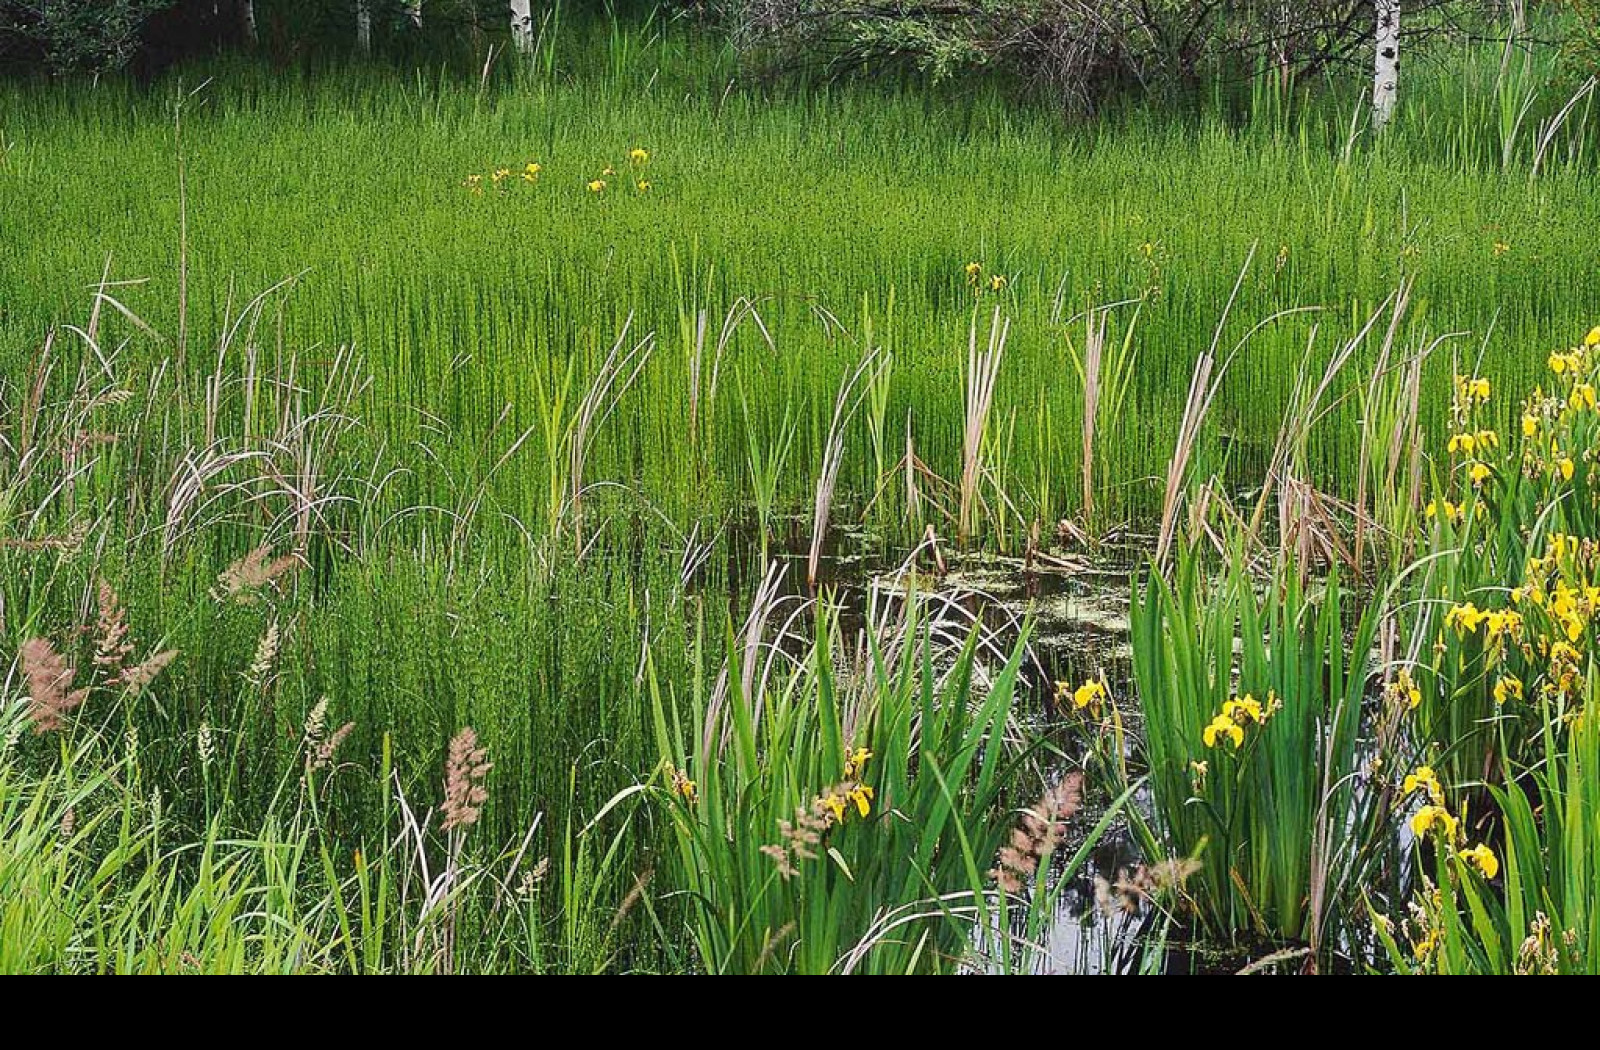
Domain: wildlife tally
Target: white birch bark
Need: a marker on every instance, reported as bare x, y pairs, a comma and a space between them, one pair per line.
364, 26
247, 21
522, 26
414, 10
1385, 62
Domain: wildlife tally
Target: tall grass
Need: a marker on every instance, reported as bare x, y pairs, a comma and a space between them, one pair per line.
347, 438
1252, 704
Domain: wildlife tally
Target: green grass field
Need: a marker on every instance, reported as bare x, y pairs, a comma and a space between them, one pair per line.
324, 325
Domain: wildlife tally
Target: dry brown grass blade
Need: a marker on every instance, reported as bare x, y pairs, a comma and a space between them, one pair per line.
982, 373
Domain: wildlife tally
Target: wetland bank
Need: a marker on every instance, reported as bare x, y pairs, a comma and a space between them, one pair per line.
610, 511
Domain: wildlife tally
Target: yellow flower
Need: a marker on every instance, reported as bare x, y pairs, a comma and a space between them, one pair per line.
1500, 248
1223, 727
834, 804
1482, 858
1558, 363
1424, 779
1451, 511
1461, 443
1089, 695
1246, 708
1582, 396
682, 785
1566, 467
997, 282
501, 175
1478, 389
1434, 816
608, 171
597, 186
638, 155
1506, 621
474, 183
644, 185
1404, 687
1593, 338
1530, 425
861, 795
855, 762
1465, 618
531, 172
1478, 472
973, 271
1507, 686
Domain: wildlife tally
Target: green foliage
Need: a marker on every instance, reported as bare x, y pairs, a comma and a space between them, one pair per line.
96, 36
820, 827
1252, 705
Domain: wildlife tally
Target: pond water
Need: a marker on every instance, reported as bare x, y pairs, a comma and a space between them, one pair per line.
1075, 611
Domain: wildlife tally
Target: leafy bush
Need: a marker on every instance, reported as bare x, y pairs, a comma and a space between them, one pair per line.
92, 35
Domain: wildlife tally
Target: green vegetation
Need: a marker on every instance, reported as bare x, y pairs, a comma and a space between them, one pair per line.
499, 523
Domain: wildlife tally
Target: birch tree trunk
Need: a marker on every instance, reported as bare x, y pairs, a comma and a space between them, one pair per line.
414, 10
247, 22
1385, 62
522, 26
364, 26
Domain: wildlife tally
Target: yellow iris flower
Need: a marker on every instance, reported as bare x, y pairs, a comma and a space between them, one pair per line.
1424, 779
1434, 816
1089, 695
861, 795
638, 155
1482, 858
597, 185
1465, 618
1506, 688
1223, 727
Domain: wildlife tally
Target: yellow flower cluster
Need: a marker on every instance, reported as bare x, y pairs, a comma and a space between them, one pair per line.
638, 157
1499, 624
1434, 818
851, 793
995, 282
1453, 512
1468, 440
1229, 724
502, 178
1472, 442
1564, 420
837, 800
